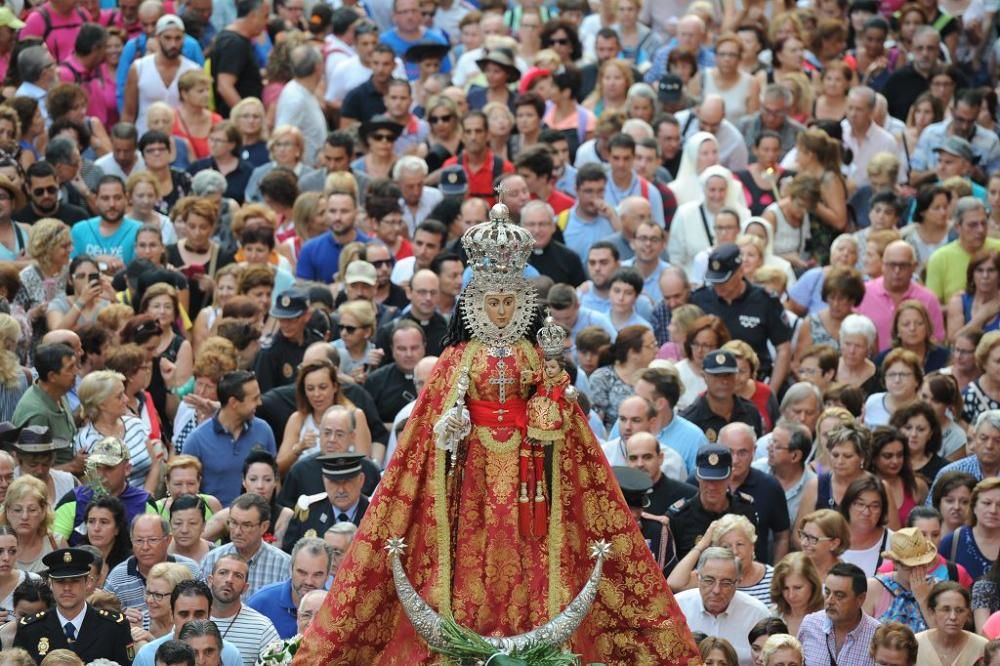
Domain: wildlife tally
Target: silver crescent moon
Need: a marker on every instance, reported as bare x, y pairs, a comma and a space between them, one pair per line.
427, 622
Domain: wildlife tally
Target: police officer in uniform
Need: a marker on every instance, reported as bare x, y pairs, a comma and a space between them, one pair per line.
74, 624
279, 357
689, 519
719, 404
636, 487
341, 501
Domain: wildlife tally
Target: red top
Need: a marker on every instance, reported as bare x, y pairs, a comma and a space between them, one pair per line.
760, 399
199, 146
560, 201
481, 181
405, 250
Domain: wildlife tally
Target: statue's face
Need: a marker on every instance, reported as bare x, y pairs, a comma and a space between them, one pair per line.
500, 308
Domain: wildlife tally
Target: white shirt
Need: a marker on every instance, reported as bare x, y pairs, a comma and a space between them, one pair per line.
466, 69
109, 165
673, 466
875, 140
299, 107
402, 271
339, 51
429, 197
403, 414
733, 624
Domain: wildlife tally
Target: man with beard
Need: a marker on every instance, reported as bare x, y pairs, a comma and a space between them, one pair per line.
244, 627
319, 259
156, 73
310, 568
368, 98
109, 237
43, 198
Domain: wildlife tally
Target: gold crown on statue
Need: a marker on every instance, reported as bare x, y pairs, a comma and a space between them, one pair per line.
551, 338
498, 247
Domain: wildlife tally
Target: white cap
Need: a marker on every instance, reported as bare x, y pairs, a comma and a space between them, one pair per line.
168, 21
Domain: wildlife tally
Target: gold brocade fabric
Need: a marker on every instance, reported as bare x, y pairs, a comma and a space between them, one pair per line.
466, 556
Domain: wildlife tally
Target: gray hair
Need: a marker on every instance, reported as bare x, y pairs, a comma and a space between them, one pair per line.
719, 553
340, 409
864, 93
199, 628
61, 150
313, 546
536, 203
125, 132
966, 204
31, 63
343, 528
208, 181
304, 60
639, 90
989, 417
778, 91
409, 164
164, 523
97, 387
844, 238
798, 392
855, 324
738, 428
925, 30
637, 128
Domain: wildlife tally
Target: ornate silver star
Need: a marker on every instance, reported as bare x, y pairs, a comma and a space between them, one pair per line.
395, 546
600, 549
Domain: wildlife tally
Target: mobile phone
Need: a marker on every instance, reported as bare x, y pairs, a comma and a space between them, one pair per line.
192, 271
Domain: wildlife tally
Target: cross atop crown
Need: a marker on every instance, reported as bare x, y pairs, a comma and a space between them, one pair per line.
501, 189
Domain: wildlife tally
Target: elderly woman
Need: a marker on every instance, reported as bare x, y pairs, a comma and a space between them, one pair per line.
948, 643
843, 290
163, 577
49, 247
738, 535
198, 406
135, 364
641, 102
707, 333
197, 255
867, 509
107, 529
287, 147
633, 350
171, 183
188, 518
858, 340
690, 233
248, 115
782, 650
796, 589
978, 307
903, 374
806, 295
224, 150
976, 545
27, 513
193, 120
35, 452
105, 406
912, 330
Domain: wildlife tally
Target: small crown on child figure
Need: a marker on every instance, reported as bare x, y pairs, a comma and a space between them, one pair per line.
551, 338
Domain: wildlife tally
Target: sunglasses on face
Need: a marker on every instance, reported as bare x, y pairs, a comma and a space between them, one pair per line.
39, 191
434, 120
559, 41
387, 138
349, 329
382, 263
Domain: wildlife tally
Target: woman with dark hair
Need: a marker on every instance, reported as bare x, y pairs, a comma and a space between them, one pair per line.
87, 293
69, 100
978, 307
952, 497
843, 290
763, 630
976, 544
942, 393
706, 333
136, 364
560, 35
172, 184
919, 424
890, 462
819, 154
10, 575
948, 642
788, 52
760, 179
107, 529
929, 230
260, 477
867, 508
224, 148
188, 515
717, 651
913, 330
632, 351
32, 123
565, 114
902, 374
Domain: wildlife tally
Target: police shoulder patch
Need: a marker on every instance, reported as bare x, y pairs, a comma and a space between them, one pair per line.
745, 497
678, 505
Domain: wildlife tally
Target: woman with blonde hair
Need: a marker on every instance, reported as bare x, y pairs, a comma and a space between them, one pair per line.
499, 127
983, 394
26, 511
682, 318
737, 534
782, 650
143, 191
193, 120
445, 139
796, 589
316, 390
249, 115
227, 281
287, 148
182, 476
174, 358
105, 408
14, 379
824, 536
163, 577
903, 374
308, 219
357, 320
16, 657
49, 246
614, 78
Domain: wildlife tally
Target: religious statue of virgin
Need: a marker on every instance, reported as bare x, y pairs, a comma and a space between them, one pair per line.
454, 497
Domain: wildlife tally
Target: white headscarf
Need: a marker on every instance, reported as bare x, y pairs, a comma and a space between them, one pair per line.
686, 186
735, 198
770, 258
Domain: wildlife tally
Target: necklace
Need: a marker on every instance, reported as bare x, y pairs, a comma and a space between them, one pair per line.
236, 617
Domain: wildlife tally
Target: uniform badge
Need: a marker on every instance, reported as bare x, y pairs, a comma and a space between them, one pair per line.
322, 518
713, 459
711, 436
310, 533
43, 646
720, 358
67, 557
287, 370
130, 651
452, 177
286, 301
716, 265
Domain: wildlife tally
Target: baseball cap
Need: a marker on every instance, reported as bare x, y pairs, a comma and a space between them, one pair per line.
720, 362
168, 21
360, 271
713, 463
722, 263
110, 451
670, 89
957, 146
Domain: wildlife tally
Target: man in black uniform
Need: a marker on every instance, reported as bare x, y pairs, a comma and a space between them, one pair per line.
749, 312
425, 286
689, 519
73, 624
719, 404
391, 386
636, 488
341, 502
278, 360
550, 257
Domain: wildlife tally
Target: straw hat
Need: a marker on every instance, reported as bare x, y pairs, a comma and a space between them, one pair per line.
910, 548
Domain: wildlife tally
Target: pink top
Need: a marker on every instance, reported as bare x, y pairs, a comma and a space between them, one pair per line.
62, 34
880, 307
964, 579
99, 86
671, 351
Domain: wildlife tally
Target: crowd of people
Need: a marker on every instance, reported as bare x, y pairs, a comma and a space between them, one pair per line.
230, 252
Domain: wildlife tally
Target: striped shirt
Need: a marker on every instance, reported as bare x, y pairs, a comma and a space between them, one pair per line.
136, 437
128, 584
268, 565
819, 648
248, 630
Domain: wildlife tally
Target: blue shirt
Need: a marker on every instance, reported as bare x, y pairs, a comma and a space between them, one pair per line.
680, 435
580, 234
567, 181
706, 59
400, 45
275, 601
319, 259
135, 48
587, 317
969, 464
613, 195
87, 239
651, 284
147, 655
985, 146
222, 457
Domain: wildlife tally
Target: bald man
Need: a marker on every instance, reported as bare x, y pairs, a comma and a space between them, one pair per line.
421, 373
710, 116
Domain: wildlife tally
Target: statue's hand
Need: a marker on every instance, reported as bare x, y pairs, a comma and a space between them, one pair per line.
571, 393
453, 426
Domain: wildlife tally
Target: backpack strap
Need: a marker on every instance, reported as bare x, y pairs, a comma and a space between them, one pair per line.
563, 219
497, 167
581, 123
954, 543
952, 570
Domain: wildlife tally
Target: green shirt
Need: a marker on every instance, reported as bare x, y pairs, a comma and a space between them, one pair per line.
36, 407
948, 266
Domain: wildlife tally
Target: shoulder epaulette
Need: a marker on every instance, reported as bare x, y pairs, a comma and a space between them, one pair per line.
304, 502
29, 619
745, 497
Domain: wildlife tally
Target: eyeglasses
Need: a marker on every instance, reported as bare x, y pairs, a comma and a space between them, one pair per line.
381, 263
233, 525
22, 510
723, 583
648, 239
434, 120
861, 507
896, 376
158, 596
148, 541
810, 539
387, 138
39, 191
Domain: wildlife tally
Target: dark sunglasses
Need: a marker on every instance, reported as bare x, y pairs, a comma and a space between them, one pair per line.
39, 191
561, 41
349, 329
381, 263
434, 120
388, 138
